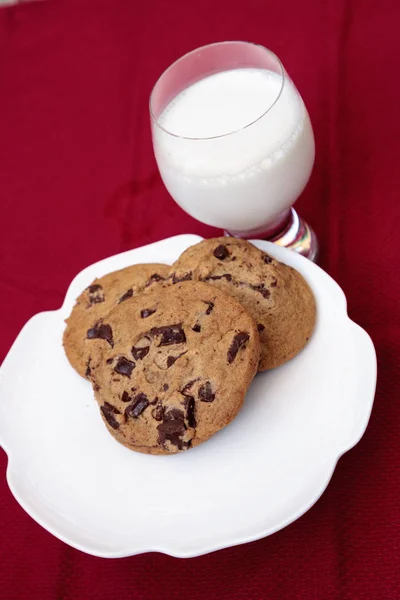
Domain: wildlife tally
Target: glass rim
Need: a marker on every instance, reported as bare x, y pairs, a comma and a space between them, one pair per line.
222, 135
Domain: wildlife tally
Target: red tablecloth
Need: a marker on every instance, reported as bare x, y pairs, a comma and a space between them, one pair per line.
78, 182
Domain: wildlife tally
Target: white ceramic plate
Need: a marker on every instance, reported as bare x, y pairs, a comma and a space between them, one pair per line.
253, 478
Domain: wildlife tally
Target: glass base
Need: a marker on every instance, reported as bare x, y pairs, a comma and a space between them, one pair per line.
294, 234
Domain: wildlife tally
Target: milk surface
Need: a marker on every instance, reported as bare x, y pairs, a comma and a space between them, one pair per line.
236, 148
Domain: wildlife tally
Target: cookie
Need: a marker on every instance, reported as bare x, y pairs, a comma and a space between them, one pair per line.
97, 300
176, 369
276, 295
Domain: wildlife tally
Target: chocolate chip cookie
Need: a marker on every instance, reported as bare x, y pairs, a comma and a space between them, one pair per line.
176, 367
276, 295
97, 300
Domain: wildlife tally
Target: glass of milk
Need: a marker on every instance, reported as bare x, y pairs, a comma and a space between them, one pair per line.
234, 143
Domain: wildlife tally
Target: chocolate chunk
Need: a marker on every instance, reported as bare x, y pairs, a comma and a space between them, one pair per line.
139, 404
170, 361
172, 426
124, 366
165, 387
210, 307
221, 252
146, 312
140, 353
128, 294
112, 408
226, 276
170, 334
196, 328
238, 341
95, 294
262, 289
185, 277
173, 414
172, 429
267, 259
109, 361
126, 397
88, 369
260, 327
108, 411
94, 288
153, 278
206, 393
157, 413
190, 416
233, 258
101, 331
274, 282
187, 387
173, 433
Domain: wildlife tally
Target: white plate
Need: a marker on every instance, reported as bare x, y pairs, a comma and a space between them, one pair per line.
253, 478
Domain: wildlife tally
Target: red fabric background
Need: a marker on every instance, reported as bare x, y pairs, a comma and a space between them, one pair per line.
78, 182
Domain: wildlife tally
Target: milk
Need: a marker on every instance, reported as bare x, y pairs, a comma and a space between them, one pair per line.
236, 148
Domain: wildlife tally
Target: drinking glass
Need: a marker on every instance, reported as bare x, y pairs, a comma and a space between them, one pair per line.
244, 178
